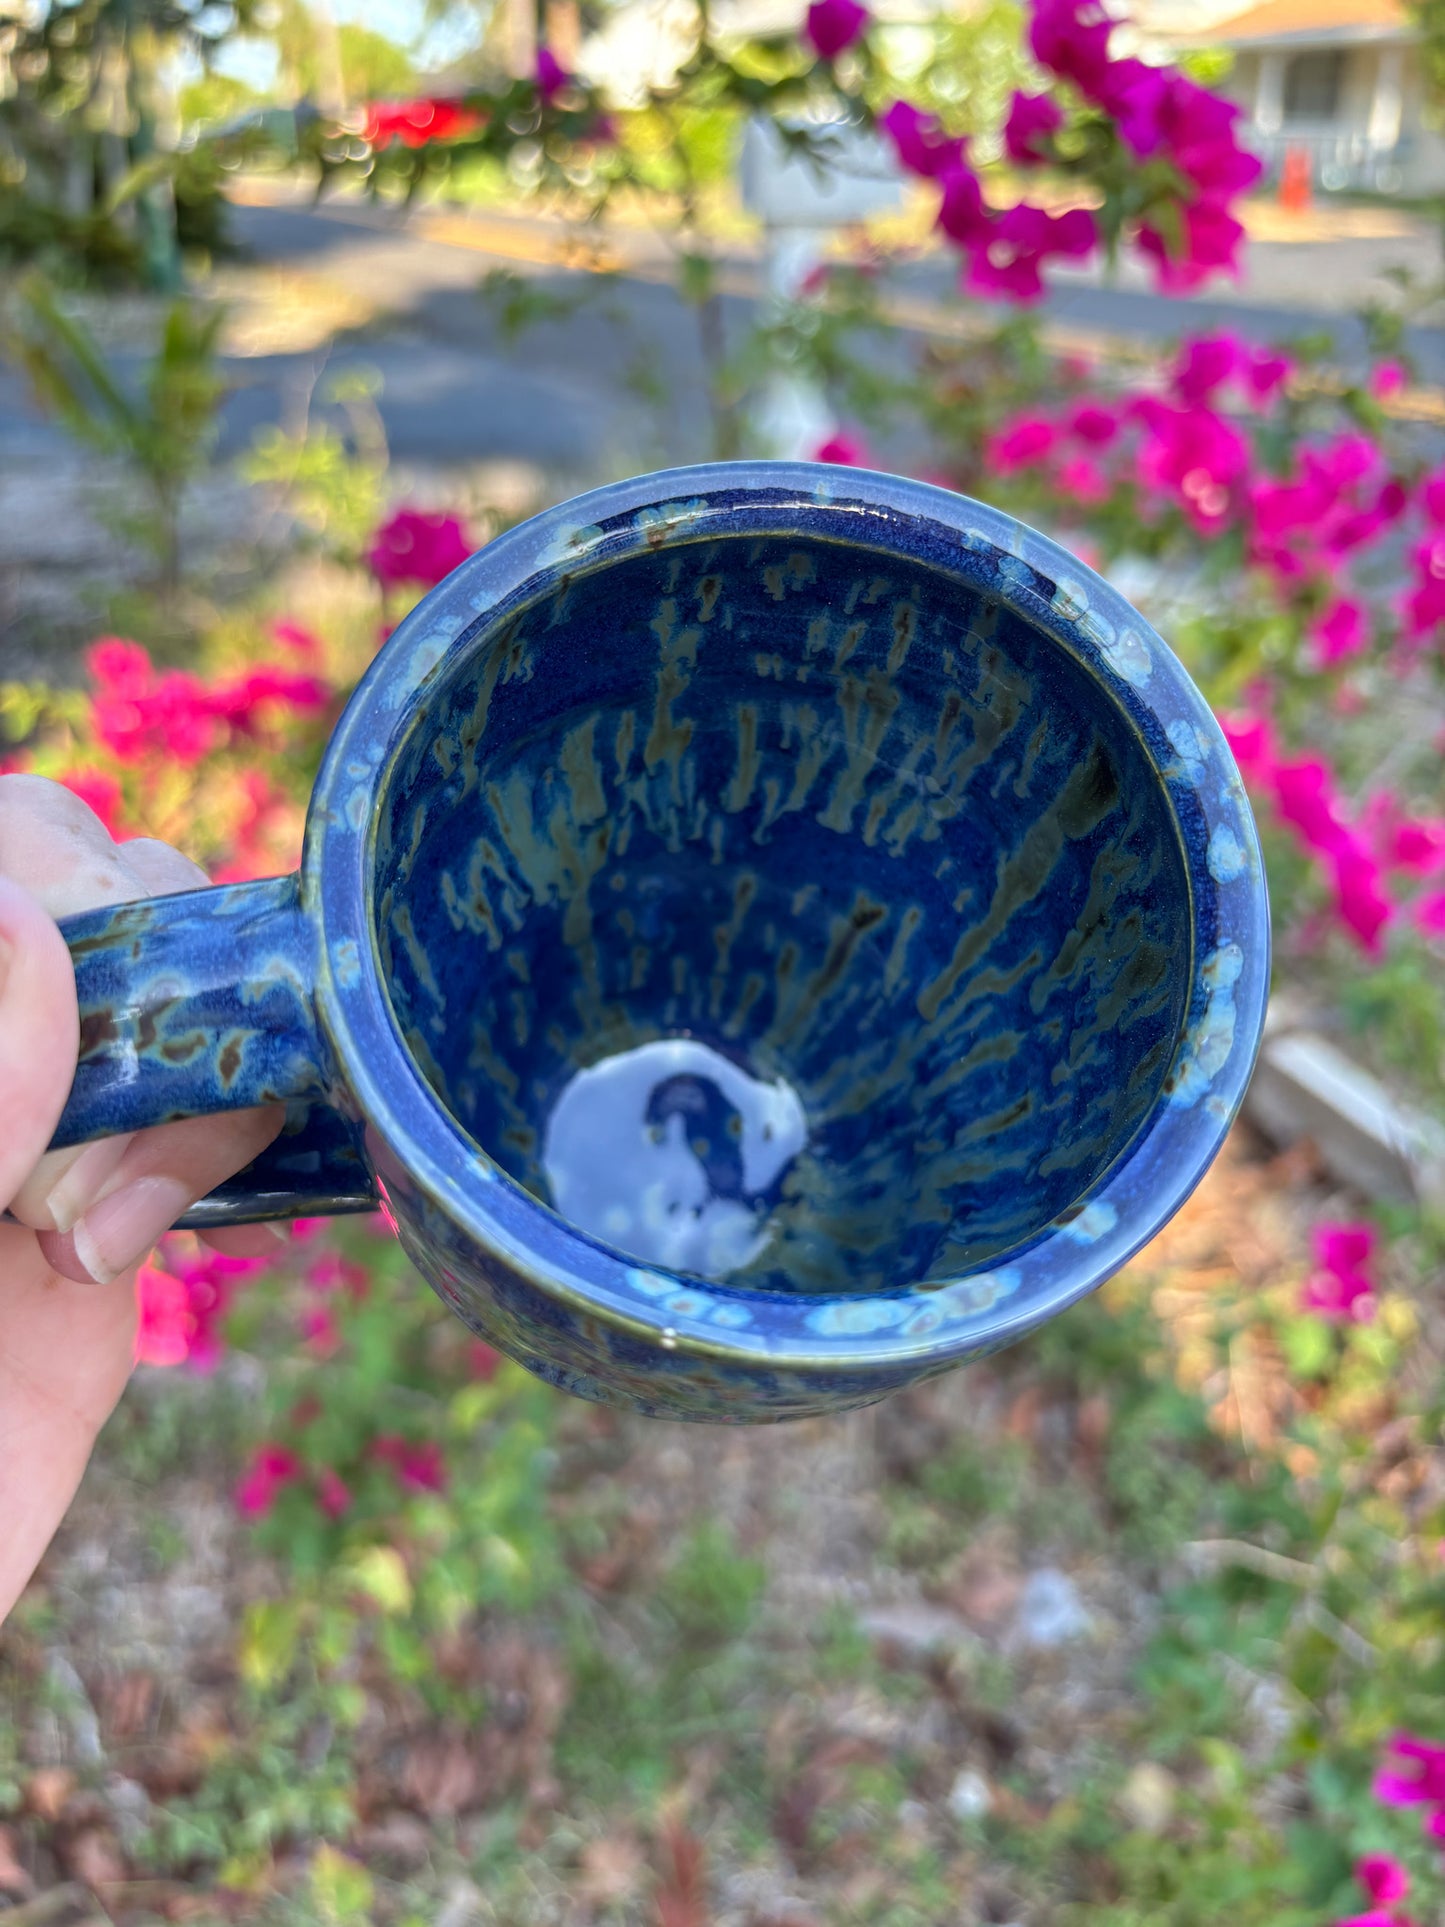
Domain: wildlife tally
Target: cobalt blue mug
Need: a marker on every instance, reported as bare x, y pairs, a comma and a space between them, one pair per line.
767, 933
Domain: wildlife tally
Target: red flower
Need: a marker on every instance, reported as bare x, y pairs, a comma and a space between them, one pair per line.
417, 547
833, 25
417, 122
420, 1468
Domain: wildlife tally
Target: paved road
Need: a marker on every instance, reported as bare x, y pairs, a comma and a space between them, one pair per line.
614, 380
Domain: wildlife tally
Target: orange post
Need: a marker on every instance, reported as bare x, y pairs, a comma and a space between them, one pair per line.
1296, 180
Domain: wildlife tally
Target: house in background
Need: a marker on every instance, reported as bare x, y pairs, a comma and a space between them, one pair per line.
1338, 81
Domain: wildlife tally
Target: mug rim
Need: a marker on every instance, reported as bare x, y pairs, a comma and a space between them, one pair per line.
979, 1309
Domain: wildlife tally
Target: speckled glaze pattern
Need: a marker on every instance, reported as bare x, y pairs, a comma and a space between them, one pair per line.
860, 783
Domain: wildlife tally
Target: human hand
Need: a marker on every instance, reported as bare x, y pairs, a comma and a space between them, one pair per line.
88, 1216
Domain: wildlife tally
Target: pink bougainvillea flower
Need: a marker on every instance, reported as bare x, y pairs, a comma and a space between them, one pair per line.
833, 25
1387, 378
1081, 479
1340, 632
414, 546
1136, 97
1022, 443
1196, 456
331, 1493
320, 1331
1071, 37
1091, 423
1376, 1917
1032, 119
1416, 844
1424, 607
552, 76
962, 215
845, 450
1341, 1289
1266, 374
1360, 899
1421, 1783
1430, 914
1210, 242
1020, 242
920, 143
1205, 364
419, 1467
1382, 1877
165, 1327
1432, 497
271, 1468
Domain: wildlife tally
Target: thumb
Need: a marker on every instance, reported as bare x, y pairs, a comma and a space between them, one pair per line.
39, 1033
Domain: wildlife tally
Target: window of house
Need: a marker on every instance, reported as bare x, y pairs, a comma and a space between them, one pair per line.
1313, 85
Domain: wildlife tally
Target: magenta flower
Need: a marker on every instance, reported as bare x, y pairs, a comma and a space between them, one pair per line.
833, 25
1341, 1289
1417, 844
552, 76
1340, 632
1205, 364
962, 215
1430, 914
1376, 1917
1382, 1877
420, 1468
1266, 373
272, 1467
1021, 241
1032, 118
1023, 443
1432, 498
1211, 242
1424, 1782
920, 143
1387, 379
1424, 606
1093, 424
1194, 455
1137, 99
844, 450
1071, 37
165, 1327
417, 547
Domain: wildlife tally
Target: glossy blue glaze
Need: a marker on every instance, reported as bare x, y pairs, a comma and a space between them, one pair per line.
202, 1002
871, 795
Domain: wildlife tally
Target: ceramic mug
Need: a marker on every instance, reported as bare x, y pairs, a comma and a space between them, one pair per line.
767, 933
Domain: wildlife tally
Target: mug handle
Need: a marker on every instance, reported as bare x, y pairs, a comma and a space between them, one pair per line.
204, 1002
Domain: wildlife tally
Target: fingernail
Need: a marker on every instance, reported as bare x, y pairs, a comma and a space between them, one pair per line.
81, 1186
122, 1228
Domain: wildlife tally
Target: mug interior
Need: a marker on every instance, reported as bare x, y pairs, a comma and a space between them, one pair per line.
784, 911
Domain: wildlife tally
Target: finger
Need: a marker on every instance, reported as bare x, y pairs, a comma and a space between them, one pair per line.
39, 1032
162, 1174
46, 831
249, 1240
160, 870
55, 846
65, 1354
